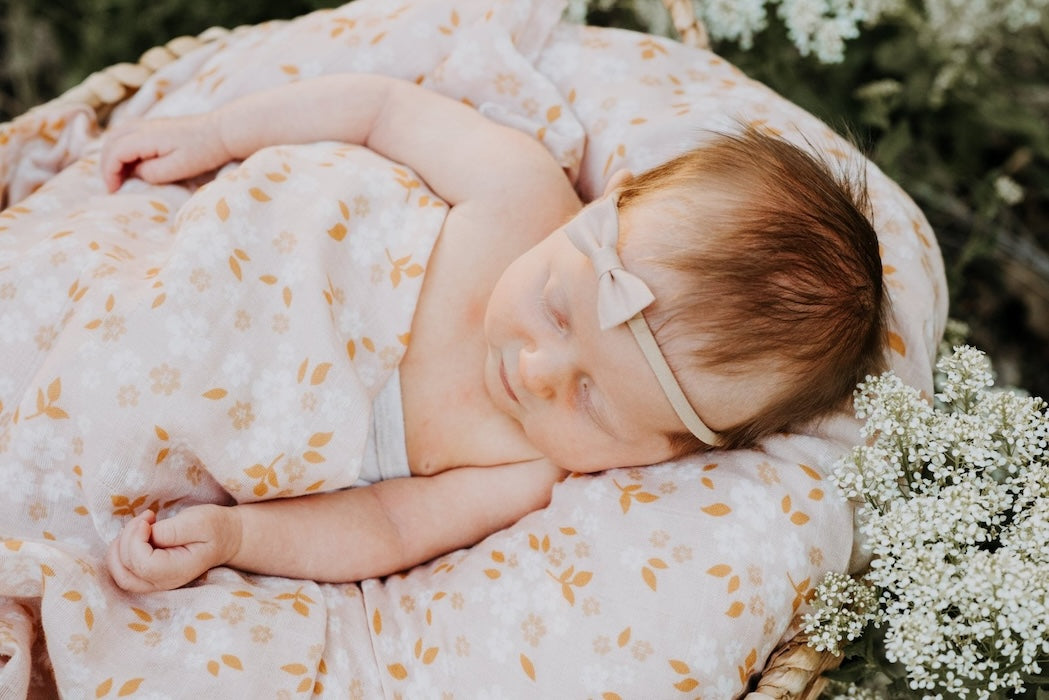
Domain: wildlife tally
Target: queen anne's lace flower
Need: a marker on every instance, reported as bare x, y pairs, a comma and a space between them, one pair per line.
957, 525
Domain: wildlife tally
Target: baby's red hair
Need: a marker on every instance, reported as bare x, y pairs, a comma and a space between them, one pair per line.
784, 273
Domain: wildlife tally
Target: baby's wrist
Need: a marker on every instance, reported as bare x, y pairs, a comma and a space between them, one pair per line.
233, 532
224, 525
223, 125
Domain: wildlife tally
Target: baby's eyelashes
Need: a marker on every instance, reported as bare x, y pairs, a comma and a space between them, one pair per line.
558, 319
553, 307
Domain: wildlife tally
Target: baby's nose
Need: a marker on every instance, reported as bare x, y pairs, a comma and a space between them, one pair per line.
544, 372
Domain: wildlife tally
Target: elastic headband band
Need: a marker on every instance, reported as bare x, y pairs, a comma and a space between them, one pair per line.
643, 334
622, 295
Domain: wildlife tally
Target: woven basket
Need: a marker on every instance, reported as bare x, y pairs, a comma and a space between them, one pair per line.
793, 670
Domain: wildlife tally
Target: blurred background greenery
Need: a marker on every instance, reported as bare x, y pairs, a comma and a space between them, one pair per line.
951, 99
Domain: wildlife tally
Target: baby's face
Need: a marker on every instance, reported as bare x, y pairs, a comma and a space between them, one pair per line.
585, 397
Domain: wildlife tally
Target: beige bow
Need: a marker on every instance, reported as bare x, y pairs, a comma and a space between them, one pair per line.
620, 294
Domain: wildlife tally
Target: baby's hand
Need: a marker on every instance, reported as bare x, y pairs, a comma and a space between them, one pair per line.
150, 556
163, 150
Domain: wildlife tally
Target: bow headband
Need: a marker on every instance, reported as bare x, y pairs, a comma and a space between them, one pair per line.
622, 295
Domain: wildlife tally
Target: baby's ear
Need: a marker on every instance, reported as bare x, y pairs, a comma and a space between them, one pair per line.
619, 178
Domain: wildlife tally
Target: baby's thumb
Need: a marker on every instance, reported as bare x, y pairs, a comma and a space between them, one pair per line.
169, 532
159, 170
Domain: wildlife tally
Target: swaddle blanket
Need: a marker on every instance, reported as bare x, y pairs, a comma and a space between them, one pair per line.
180, 344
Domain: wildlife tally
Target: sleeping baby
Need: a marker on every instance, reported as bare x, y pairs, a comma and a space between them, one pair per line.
730, 293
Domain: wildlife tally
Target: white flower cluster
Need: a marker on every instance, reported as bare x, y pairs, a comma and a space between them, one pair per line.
844, 608
966, 22
821, 27
958, 526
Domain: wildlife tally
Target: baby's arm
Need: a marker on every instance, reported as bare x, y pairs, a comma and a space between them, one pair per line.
339, 536
461, 154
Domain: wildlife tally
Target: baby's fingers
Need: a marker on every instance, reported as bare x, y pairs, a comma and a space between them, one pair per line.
126, 553
124, 149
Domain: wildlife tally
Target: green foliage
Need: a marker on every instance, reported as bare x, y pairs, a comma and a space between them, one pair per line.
48, 47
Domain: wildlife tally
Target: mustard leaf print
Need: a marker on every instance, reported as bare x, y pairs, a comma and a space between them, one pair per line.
631, 493
747, 668
687, 685
45, 402
570, 579
300, 601
266, 476
338, 231
716, 509
624, 638
539, 545
320, 373
528, 667
810, 472
320, 439
405, 180
402, 266
680, 667
130, 687
398, 671
454, 21
122, 505
897, 344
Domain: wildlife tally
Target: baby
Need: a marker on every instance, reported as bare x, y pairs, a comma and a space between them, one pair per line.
730, 293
